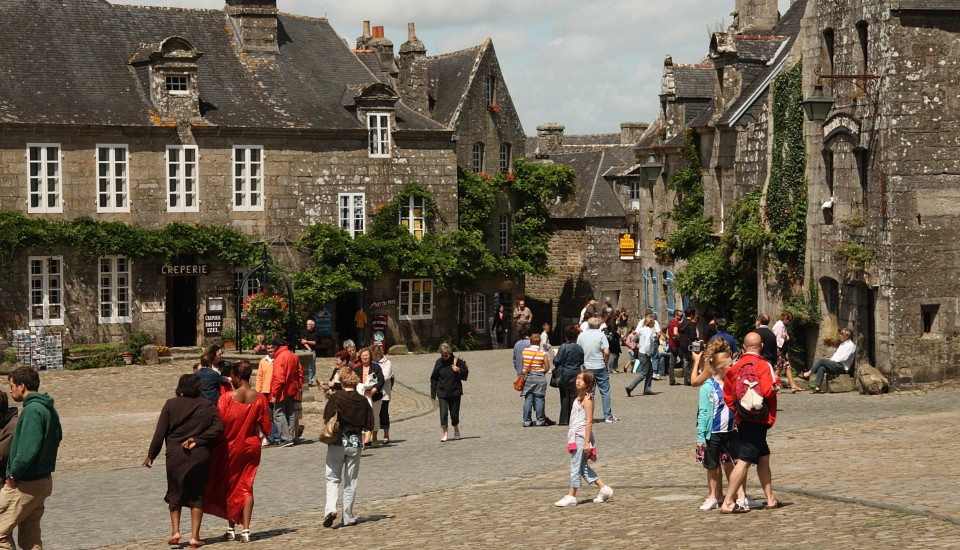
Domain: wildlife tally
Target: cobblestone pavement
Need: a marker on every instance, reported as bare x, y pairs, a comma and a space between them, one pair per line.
857, 470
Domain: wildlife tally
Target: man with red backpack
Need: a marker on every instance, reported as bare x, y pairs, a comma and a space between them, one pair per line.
750, 390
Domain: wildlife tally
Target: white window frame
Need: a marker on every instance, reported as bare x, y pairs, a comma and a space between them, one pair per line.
109, 180
252, 287
505, 151
181, 179
46, 286
177, 84
43, 181
635, 188
504, 233
491, 90
416, 299
352, 217
412, 216
247, 178
477, 158
378, 132
113, 286
477, 311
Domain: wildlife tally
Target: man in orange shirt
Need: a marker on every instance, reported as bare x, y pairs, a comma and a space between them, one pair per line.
264, 379
753, 432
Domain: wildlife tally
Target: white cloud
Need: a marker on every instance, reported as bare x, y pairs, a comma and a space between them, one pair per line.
587, 65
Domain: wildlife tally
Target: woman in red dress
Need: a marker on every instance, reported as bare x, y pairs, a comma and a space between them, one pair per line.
245, 416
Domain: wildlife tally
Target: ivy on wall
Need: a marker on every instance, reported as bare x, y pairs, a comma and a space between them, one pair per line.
721, 273
92, 238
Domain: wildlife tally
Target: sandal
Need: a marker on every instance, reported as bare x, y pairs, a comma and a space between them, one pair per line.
245, 535
796, 390
779, 504
737, 509
230, 534
817, 390
174, 540
197, 544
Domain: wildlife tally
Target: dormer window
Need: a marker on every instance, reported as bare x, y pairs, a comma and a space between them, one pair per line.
178, 84
378, 127
172, 77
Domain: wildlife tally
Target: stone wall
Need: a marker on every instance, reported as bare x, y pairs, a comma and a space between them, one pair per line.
302, 178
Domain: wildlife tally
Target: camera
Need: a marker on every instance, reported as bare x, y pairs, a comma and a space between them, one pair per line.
696, 347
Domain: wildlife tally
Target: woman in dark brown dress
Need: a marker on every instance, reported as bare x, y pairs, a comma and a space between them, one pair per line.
189, 424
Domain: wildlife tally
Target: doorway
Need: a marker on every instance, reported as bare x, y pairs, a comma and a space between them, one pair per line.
344, 319
181, 311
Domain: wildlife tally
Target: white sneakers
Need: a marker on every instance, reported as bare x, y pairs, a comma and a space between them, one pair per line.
604, 494
709, 504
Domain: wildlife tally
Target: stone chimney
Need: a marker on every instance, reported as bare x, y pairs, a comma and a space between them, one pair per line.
255, 24
630, 132
755, 15
413, 80
384, 47
363, 41
549, 139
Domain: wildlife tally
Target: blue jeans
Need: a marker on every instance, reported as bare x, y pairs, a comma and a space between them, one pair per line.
533, 401
580, 467
660, 362
312, 370
274, 435
646, 374
603, 384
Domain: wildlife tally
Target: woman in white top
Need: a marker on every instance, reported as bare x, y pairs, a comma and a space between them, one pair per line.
783, 362
387, 367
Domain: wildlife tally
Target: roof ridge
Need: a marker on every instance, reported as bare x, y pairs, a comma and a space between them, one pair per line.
458, 52
759, 37
694, 65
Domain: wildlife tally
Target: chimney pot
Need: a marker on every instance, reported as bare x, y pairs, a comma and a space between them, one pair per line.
366, 29
378, 31
411, 32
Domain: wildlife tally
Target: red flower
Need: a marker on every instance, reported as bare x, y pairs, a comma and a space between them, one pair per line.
494, 107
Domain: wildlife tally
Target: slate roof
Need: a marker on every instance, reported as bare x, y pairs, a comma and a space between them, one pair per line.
929, 5
595, 195
757, 48
695, 81
74, 58
788, 28
450, 76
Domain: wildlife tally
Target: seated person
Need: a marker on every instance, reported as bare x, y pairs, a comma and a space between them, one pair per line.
841, 361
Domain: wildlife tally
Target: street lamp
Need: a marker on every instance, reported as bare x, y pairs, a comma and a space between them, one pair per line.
651, 169
817, 106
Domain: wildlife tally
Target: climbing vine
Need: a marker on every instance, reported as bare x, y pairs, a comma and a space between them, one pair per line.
92, 238
721, 273
536, 186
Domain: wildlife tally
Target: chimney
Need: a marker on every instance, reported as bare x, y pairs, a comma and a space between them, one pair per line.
412, 83
255, 24
549, 139
363, 41
756, 15
630, 132
384, 47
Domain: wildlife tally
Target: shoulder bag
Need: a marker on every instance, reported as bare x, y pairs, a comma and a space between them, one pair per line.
522, 379
331, 430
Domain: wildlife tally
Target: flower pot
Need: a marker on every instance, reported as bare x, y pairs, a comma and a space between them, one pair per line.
127, 358
229, 344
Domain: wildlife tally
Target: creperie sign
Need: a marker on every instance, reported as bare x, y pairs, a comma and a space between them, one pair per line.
184, 270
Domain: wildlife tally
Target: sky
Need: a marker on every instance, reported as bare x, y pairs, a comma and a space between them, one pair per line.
586, 65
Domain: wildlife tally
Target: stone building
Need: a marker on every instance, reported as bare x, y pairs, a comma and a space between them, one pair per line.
466, 92
612, 200
242, 117
883, 169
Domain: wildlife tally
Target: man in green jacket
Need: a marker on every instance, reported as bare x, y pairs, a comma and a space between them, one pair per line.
33, 457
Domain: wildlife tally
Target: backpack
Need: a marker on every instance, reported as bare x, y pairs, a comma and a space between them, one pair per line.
749, 404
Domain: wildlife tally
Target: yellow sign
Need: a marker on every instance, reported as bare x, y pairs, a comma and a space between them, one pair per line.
628, 247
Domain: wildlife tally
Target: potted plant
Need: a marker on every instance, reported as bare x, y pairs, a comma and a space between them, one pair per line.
229, 337
127, 357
